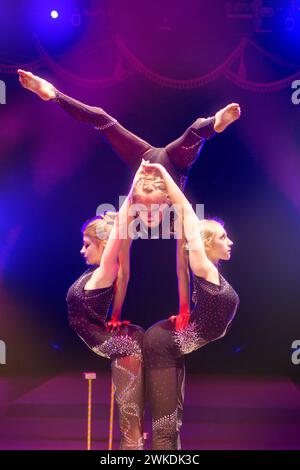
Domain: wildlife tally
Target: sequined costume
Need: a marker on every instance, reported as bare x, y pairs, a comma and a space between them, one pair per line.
177, 157
214, 309
87, 313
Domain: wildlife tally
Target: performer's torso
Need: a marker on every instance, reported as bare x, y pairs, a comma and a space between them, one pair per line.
152, 290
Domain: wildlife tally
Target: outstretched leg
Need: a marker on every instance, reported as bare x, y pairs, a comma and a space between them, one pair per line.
125, 349
165, 376
127, 145
184, 151
166, 405
128, 380
226, 116
180, 398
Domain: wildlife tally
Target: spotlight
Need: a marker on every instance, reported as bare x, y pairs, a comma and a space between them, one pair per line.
54, 14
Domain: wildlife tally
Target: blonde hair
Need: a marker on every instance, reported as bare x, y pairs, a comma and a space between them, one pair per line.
99, 227
208, 229
150, 183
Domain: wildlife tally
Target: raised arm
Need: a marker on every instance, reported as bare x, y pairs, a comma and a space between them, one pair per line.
183, 276
199, 262
107, 272
127, 145
120, 287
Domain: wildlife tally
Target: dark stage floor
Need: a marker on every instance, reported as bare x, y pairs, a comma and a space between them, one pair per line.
220, 413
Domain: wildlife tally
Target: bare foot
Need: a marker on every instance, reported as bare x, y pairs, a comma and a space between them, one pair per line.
226, 116
37, 85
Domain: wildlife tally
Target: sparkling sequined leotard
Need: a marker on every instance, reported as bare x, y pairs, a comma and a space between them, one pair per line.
177, 157
214, 309
87, 310
164, 349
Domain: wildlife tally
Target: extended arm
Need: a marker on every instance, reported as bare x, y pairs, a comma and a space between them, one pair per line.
107, 272
183, 276
120, 289
199, 262
121, 281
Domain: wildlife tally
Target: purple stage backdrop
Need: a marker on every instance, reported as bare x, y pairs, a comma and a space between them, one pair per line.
156, 67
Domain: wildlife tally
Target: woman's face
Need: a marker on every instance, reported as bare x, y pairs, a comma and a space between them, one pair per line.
219, 248
152, 209
92, 250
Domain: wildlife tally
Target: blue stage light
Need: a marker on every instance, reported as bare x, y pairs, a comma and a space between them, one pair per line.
54, 14
239, 348
51, 23
56, 346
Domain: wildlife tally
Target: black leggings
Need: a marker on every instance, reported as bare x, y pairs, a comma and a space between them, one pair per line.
164, 351
177, 157
128, 380
124, 348
165, 388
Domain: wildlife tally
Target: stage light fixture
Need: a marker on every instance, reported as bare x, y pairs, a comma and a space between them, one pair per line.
54, 14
